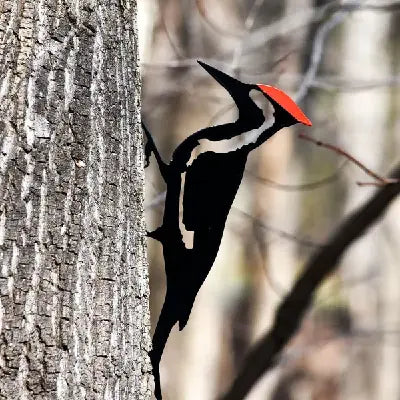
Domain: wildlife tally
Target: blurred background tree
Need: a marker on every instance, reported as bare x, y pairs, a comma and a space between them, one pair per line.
339, 60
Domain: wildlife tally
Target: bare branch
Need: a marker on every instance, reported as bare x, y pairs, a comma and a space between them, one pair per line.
284, 26
264, 354
317, 51
381, 180
292, 22
378, 6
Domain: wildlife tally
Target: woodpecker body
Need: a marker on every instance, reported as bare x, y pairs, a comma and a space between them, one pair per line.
211, 184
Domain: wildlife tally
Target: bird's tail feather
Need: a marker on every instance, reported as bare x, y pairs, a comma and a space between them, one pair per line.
168, 318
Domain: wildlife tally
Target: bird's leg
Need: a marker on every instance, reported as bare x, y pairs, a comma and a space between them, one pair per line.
150, 147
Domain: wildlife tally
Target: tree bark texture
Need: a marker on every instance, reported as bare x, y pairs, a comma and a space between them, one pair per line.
74, 318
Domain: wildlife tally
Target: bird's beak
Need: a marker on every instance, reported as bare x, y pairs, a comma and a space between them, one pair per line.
229, 83
283, 100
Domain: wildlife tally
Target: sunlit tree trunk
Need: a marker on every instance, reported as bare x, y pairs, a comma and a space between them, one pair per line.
74, 320
390, 302
363, 128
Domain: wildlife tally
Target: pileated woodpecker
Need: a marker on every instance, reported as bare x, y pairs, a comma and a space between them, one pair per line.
210, 186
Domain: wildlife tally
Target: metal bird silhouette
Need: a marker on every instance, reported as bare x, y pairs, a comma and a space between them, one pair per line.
210, 185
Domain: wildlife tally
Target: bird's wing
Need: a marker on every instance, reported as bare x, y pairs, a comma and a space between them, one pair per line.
211, 184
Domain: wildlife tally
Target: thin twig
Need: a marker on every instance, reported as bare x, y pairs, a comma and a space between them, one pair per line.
381, 180
378, 183
260, 242
220, 113
300, 187
286, 235
215, 26
385, 7
248, 25
265, 353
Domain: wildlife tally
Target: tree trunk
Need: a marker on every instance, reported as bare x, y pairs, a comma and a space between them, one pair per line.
74, 318
362, 132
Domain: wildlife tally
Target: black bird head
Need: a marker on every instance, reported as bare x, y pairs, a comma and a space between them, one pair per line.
287, 112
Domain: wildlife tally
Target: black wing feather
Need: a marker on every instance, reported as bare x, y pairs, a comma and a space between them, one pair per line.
211, 184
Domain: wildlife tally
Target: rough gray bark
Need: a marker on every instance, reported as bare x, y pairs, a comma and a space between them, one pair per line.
74, 318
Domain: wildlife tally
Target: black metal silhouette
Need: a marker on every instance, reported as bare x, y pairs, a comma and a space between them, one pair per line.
211, 183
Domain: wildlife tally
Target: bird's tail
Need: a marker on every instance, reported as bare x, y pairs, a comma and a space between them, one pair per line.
184, 317
167, 319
